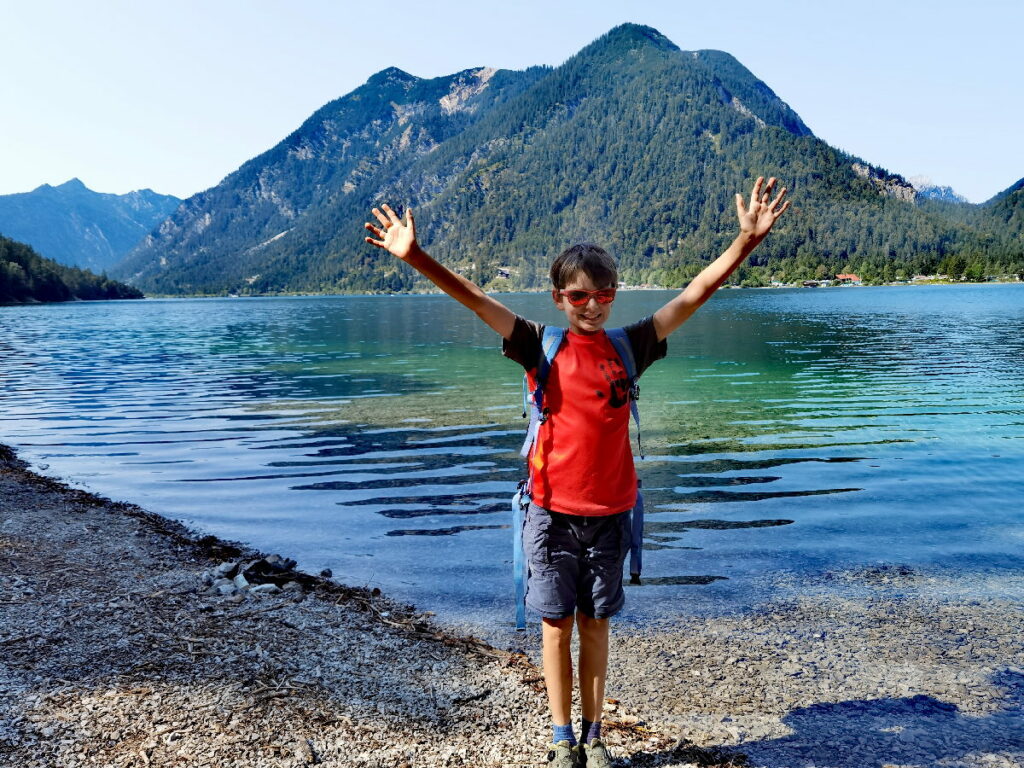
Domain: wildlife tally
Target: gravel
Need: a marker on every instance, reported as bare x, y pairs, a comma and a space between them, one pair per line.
127, 640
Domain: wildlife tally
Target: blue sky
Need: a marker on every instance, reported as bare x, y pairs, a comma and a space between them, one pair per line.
174, 96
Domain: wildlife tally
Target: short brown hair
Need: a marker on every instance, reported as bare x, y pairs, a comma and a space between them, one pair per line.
593, 260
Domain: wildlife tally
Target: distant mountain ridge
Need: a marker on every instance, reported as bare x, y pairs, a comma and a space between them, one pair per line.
926, 188
74, 225
632, 143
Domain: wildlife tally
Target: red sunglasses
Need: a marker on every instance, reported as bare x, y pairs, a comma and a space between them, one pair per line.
579, 298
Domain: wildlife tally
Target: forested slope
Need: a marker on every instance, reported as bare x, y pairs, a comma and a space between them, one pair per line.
632, 143
26, 276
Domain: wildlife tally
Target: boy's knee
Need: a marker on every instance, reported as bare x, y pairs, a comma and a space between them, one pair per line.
559, 628
590, 625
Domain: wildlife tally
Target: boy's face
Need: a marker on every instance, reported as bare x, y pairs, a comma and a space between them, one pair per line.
589, 317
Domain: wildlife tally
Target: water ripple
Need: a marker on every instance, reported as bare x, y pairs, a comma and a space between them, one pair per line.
864, 426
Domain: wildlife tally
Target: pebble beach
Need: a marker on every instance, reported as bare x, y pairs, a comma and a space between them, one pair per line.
128, 640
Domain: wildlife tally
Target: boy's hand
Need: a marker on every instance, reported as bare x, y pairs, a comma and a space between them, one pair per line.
392, 235
760, 216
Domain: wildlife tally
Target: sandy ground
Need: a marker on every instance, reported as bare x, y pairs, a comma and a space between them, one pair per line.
116, 650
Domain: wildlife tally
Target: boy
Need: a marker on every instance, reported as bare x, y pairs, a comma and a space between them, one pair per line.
582, 481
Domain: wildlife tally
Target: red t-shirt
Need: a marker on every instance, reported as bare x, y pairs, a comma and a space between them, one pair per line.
582, 463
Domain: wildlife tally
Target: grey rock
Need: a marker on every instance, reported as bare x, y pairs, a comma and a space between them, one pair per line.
226, 570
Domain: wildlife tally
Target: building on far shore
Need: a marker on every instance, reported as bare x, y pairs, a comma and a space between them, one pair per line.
848, 279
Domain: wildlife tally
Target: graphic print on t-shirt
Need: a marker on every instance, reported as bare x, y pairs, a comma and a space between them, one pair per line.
617, 380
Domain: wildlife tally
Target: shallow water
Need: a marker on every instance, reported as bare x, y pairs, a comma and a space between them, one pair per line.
789, 434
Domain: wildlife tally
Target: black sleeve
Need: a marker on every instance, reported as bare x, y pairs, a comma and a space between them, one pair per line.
525, 345
644, 340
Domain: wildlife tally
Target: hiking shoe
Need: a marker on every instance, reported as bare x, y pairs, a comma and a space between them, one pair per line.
561, 755
595, 755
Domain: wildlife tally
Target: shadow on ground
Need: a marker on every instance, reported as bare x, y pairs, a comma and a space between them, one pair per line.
914, 731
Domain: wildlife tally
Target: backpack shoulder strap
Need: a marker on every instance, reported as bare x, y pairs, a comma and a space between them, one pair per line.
533, 405
533, 402
550, 343
619, 340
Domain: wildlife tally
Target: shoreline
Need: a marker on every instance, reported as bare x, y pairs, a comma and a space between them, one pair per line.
626, 288
114, 652
437, 292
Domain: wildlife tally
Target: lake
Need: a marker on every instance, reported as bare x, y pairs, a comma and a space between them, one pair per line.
795, 439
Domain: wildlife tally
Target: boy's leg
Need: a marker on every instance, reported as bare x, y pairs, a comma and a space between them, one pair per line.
552, 552
600, 597
556, 636
593, 665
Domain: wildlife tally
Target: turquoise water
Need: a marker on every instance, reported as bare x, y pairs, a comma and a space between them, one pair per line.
791, 436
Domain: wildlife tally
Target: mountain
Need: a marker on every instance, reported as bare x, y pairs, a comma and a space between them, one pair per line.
25, 276
76, 226
631, 143
1007, 208
930, 191
265, 226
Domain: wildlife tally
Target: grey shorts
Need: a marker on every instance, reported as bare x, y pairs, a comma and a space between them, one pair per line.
575, 563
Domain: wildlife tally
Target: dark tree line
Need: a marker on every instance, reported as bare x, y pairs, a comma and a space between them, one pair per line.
27, 276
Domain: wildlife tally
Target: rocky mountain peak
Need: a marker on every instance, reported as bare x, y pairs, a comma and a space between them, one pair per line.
932, 191
391, 75
465, 86
888, 184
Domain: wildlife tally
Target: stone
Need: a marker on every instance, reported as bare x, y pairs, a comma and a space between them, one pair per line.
272, 568
304, 751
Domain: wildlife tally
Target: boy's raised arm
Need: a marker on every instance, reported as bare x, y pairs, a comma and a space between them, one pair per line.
399, 239
756, 221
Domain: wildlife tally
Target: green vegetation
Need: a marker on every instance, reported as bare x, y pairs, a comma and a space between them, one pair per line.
632, 143
26, 276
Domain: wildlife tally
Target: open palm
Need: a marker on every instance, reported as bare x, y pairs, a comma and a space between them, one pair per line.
760, 215
393, 235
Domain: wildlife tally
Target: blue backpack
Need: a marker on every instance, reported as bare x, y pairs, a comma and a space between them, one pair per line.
533, 405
